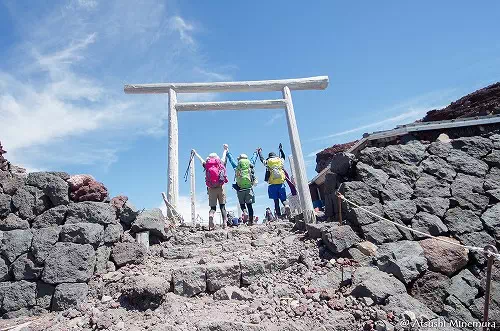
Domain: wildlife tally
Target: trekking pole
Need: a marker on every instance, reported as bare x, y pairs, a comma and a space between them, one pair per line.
490, 257
186, 174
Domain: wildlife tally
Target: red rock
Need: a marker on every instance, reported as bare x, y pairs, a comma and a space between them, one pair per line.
119, 201
485, 101
86, 188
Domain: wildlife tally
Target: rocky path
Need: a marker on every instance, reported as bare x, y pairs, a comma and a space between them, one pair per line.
246, 278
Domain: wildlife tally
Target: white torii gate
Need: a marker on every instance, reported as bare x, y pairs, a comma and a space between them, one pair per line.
283, 85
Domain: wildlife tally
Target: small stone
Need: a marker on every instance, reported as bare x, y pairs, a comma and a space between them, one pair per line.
106, 298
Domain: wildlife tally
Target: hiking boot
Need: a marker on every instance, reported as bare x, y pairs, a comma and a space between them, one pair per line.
250, 222
211, 225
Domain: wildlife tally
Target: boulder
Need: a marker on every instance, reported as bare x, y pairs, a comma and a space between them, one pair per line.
4, 270
461, 221
128, 253
340, 238
400, 210
232, 292
24, 203
491, 220
128, 213
91, 212
404, 259
113, 233
443, 257
440, 148
492, 179
5, 205
315, 230
15, 243
69, 263
52, 217
86, 188
102, 255
367, 248
189, 281
478, 239
428, 185
463, 162
360, 257
220, 275
476, 146
25, 267
375, 178
374, 156
53, 186
381, 232
251, 270
438, 167
44, 240
406, 173
152, 221
395, 189
358, 216
433, 205
431, 289
455, 311
10, 185
360, 193
465, 287
428, 223
468, 192
493, 159
332, 280
82, 233
375, 284
69, 295
44, 294
411, 154
12, 222
17, 295
145, 292
341, 163
400, 303
495, 194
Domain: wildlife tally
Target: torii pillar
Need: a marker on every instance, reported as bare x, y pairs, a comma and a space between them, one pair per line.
284, 86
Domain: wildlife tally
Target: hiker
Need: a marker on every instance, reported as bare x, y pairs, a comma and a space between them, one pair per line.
276, 177
245, 180
269, 217
215, 178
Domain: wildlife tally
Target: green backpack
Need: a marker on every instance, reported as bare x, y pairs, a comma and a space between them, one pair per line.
244, 174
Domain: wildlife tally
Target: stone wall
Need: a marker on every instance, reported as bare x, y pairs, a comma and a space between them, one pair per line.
51, 245
448, 188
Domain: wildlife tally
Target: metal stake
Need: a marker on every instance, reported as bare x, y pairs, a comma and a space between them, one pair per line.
339, 208
492, 249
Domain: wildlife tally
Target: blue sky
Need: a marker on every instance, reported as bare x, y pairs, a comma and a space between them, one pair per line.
63, 65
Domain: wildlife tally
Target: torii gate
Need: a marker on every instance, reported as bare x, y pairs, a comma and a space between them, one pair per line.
283, 85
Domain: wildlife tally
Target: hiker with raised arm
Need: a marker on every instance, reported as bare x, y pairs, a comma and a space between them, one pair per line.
245, 180
276, 177
215, 178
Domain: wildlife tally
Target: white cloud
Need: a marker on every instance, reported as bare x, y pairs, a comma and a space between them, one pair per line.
62, 96
184, 28
274, 118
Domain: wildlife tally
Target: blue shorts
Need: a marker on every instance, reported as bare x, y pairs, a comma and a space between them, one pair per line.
277, 191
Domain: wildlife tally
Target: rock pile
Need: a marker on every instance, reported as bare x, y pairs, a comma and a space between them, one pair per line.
4, 164
448, 188
51, 243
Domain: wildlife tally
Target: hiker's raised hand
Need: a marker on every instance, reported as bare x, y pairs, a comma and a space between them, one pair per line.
226, 147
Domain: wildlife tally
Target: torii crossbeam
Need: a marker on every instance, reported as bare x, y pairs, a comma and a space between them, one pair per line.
283, 85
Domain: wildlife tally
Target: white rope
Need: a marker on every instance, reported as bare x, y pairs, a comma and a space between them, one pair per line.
472, 248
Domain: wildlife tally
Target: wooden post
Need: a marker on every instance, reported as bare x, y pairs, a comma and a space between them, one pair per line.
339, 209
298, 158
489, 267
142, 238
193, 192
173, 150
